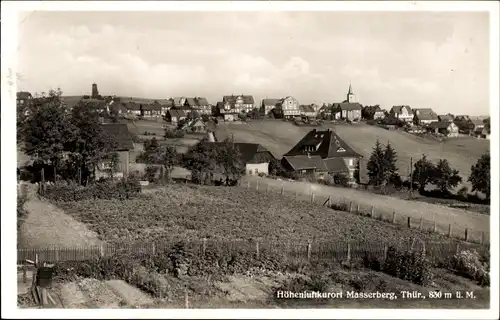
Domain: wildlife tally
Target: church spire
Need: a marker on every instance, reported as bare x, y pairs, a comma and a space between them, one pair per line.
350, 88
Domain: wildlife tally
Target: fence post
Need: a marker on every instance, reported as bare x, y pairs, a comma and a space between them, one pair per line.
204, 245
309, 250
458, 247
312, 197
357, 209
257, 248
56, 253
348, 252
350, 207
329, 202
186, 298
373, 212
482, 237
423, 248
296, 195
449, 230
101, 250
409, 222
394, 217
267, 189
282, 190
421, 224
435, 227
386, 249
466, 234
257, 185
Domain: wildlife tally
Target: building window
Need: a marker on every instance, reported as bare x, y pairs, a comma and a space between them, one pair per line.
350, 162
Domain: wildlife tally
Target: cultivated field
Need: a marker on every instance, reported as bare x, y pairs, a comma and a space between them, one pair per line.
385, 205
193, 212
279, 137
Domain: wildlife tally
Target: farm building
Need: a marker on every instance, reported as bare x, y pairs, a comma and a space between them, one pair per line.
445, 128
119, 132
151, 110
174, 115
424, 116
373, 113
403, 113
312, 166
337, 155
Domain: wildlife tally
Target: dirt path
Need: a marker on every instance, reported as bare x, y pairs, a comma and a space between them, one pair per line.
443, 216
47, 225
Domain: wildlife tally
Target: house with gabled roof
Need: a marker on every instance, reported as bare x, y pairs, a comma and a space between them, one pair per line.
403, 113
445, 128
287, 108
233, 105
423, 116
268, 105
175, 115
337, 156
122, 146
307, 111
255, 157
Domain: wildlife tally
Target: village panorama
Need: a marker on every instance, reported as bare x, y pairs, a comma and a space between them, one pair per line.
247, 200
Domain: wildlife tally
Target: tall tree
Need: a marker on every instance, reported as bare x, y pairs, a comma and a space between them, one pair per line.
480, 175
91, 142
229, 159
45, 128
201, 160
376, 166
169, 159
423, 173
446, 177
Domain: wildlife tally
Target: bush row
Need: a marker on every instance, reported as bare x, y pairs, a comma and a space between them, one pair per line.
470, 264
403, 264
123, 189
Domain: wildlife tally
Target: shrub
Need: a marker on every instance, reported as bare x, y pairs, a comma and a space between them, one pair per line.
340, 206
169, 133
262, 174
21, 212
463, 191
151, 173
123, 189
341, 179
467, 263
408, 265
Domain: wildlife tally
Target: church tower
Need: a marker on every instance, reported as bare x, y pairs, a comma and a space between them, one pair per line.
95, 92
351, 97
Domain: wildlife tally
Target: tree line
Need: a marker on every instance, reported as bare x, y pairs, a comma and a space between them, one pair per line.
382, 171
69, 143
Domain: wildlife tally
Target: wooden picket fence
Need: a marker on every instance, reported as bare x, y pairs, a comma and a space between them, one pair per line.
311, 250
450, 230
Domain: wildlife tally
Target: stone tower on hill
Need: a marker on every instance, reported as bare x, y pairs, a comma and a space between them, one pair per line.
95, 92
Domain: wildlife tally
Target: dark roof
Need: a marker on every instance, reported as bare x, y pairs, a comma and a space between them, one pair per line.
445, 117
439, 125
425, 114
250, 152
23, 95
191, 102
151, 106
397, 109
201, 101
336, 165
348, 106
270, 102
132, 106
176, 113
303, 162
330, 145
477, 122
306, 108
232, 99
220, 105
119, 131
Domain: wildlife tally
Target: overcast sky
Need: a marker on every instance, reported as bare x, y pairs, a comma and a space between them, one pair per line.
437, 60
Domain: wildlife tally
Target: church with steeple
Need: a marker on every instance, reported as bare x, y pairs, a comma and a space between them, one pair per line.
351, 97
